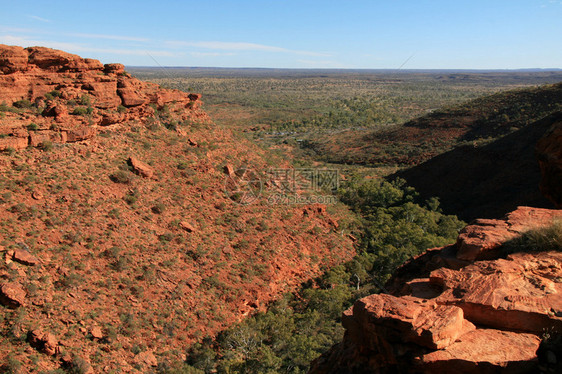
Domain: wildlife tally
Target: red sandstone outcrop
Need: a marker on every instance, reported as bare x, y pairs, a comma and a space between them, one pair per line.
187, 226
452, 312
51, 86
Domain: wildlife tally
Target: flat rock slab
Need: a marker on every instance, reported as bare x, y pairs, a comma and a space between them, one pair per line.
484, 351
522, 292
24, 257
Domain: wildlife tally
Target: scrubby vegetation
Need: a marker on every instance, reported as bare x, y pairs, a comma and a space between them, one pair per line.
394, 225
356, 117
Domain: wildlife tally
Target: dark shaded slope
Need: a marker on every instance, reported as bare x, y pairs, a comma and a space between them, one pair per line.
485, 181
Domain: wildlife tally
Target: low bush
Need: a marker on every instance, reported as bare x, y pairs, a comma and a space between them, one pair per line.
82, 111
23, 104
122, 176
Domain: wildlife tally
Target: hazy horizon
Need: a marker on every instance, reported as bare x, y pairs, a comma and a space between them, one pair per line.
348, 69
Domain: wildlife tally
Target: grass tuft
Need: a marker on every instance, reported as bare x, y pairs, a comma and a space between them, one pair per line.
542, 239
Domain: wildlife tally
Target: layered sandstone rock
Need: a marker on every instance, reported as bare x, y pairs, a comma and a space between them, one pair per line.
63, 93
451, 312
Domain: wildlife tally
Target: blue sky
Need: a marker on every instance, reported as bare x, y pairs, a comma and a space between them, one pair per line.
423, 34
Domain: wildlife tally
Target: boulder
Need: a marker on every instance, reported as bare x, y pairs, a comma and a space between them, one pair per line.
24, 257
96, 332
484, 351
12, 294
483, 237
55, 110
409, 319
146, 359
187, 226
80, 133
520, 292
130, 97
141, 168
113, 68
111, 119
44, 342
228, 170
59, 61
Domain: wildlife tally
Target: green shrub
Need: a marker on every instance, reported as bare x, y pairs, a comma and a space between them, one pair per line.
32, 127
182, 165
131, 198
6, 108
47, 145
158, 208
51, 95
171, 125
80, 366
80, 111
85, 100
23, 104
10, 150
122, 176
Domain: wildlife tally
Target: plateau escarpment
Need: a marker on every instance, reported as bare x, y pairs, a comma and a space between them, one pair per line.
475, 122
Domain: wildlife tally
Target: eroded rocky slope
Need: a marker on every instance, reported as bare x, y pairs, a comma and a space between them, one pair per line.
119, 246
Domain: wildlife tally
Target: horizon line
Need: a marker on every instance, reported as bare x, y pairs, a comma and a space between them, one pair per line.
312, 68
